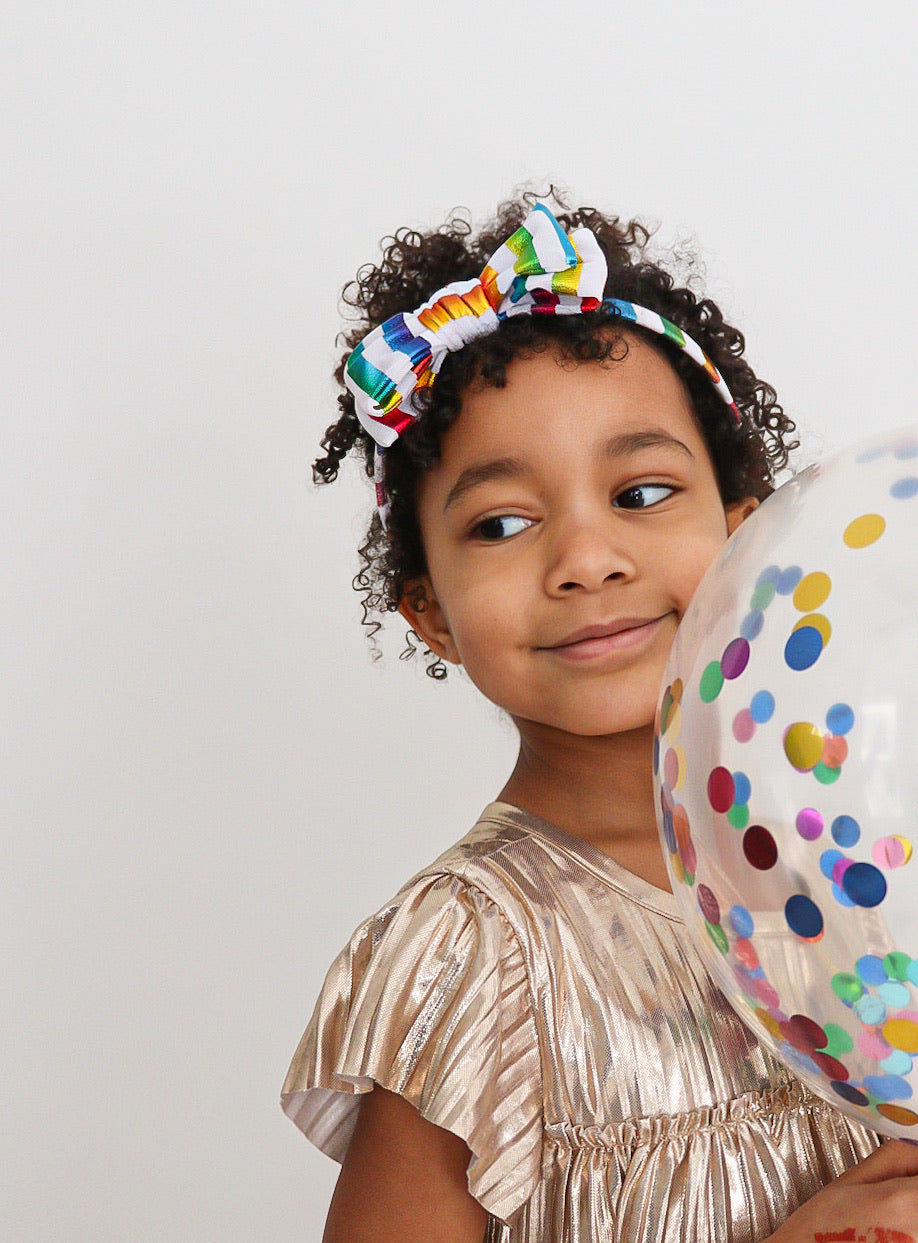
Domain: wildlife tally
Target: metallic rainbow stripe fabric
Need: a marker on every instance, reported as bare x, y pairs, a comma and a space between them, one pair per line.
539, 270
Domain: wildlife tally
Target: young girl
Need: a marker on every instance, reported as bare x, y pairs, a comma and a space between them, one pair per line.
522, 1045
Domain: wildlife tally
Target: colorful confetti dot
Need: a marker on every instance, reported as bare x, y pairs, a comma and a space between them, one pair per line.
812, 590
891, 852
902, 489
864, 531
803, 917
846, 832
721, 789
762, 707
711, 682
864, 884
803, 746
870, 969
839, 719
803, 648
809, 824
751, 625
741, 921
847, 988
743, 726
735, 658
788, 579
902, 1034
897, 1114
760, 848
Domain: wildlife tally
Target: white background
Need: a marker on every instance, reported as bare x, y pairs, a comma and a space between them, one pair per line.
205, 782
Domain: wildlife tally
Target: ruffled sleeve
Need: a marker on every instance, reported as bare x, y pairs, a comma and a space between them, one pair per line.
431, 1000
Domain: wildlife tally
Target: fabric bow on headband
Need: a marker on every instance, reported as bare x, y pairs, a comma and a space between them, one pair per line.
539, 270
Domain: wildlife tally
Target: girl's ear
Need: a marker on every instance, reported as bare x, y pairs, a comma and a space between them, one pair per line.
739, 511
421, 610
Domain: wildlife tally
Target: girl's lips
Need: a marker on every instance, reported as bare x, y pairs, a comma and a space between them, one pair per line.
618, 636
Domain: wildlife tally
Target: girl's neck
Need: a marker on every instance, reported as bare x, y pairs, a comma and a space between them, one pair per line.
597, 789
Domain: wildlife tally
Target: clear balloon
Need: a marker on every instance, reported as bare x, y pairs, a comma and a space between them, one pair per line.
786, 768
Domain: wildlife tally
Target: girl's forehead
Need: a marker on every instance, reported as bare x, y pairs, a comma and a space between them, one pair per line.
553, 400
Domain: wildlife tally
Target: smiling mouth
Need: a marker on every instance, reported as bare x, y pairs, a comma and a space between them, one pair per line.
618, 636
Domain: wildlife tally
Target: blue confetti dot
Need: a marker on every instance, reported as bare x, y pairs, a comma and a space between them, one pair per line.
770, 574
906, 451
898, 1063
848, 1092
870, 970
803, 916
871, 455
741, 921
803, 648
870, 1010
839, 719
742, 788
762, 707
841, 897
902, 489
751, 625
911, 971
865, 884
846, 832
895, 994
788, 580
888, 1087
669, 835
828, 860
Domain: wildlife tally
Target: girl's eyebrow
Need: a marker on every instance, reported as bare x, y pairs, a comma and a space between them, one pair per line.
486, 472
508, 467
634, 442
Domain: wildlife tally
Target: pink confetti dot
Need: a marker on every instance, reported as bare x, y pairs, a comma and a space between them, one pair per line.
840, 868
743, 725
872, 1045
889, 852
766, 993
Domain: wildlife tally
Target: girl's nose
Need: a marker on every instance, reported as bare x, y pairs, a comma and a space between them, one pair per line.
588, 552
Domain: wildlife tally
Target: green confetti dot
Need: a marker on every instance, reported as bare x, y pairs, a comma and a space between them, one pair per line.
738, 815
762, 596
711, 683
717, 935
839, 1042
896, 965
846, 987
825, 775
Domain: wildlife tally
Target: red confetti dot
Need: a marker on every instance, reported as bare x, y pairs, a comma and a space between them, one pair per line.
759, 848
710, 908
721, 789
804, 1034
831, 1066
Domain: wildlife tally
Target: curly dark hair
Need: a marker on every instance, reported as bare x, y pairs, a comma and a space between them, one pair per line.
746, 456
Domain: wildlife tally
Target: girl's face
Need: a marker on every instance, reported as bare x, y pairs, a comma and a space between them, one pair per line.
566, 527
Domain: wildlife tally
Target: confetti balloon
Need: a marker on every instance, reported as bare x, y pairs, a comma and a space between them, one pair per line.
786, 769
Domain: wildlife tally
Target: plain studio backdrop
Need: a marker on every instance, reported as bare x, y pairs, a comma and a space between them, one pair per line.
206, 783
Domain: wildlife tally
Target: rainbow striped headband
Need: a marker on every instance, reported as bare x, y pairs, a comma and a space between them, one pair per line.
539, 270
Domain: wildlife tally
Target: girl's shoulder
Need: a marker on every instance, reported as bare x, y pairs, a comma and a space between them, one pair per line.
431, 1000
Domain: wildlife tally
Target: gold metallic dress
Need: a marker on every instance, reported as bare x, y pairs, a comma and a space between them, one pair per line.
530, 995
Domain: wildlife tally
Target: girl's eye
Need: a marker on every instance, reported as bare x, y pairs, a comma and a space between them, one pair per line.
501, 527
643, 495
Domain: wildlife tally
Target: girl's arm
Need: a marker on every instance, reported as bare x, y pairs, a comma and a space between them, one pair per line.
403, 1181
876, 1201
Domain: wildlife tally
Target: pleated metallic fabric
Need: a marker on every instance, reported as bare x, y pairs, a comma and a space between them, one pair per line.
527, 993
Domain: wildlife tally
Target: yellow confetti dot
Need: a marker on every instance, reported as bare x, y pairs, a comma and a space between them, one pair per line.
902, 1034
803, 746
680, 772
898, 1114
675, 723
818, 622
906, 847
811, 591
864, 530
769, 1022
